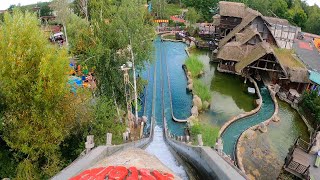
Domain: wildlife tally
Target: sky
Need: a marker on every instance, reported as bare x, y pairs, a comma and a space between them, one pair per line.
4, 4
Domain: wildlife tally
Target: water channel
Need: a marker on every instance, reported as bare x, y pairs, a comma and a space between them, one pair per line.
264, 153
229, 98
158, 100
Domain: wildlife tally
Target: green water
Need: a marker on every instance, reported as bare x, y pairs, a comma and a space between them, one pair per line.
265, 153
228, 92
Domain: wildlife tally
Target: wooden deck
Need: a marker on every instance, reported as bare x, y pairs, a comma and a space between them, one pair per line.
300, 163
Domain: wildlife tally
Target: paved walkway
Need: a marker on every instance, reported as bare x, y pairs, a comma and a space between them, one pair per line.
307, 53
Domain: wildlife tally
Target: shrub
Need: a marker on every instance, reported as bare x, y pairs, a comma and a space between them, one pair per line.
194, 65
201, 90
209, 133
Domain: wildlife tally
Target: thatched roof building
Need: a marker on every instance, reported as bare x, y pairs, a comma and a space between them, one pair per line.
232, 9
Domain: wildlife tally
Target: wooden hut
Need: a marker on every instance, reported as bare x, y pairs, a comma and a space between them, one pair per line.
230, 16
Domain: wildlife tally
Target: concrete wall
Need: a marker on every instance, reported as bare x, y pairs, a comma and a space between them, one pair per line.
97, 154
206, 160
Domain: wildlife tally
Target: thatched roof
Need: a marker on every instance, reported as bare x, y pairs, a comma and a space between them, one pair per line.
216, 20
234, 51
232, 9
258, 51
249, 17
274, 20
299, 75
247, 35
297, 71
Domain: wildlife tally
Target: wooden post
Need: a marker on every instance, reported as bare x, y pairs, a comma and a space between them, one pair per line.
124, 136
187, 139
89, 144
200, 142
141, 129
109, 139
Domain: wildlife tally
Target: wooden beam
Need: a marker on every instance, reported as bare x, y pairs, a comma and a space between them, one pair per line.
265, 69
266, 60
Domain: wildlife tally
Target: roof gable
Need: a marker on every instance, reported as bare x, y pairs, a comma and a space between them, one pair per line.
232, 9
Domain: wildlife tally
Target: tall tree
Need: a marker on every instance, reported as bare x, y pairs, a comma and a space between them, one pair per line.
62, 9
279, 7
114, 26
39, 109
192, 16
205, 7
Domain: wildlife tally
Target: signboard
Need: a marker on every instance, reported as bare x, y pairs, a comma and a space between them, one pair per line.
161, 21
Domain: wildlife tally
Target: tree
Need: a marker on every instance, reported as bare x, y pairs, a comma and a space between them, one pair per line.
114, 25
106, 122
297, 16
203, 6
313, 22
45, 10
192, 16
39, 109
63, 12
279, 7
158, 8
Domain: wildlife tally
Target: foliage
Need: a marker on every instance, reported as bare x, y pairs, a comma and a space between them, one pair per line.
158, 8
171, 10
209, 133
194, 65
106, 122
113, 30
201, 90
205, 7
80, 36
39, 109
311, 102
61, 8
8, 164
192, 16
297, 12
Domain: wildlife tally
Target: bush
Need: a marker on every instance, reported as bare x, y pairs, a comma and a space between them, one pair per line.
311, 103
201, 90
194, 65
209, 133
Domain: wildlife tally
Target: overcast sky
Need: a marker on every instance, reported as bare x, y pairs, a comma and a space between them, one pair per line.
4, 4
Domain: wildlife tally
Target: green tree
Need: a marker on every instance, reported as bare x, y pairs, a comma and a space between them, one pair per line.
297, 16
279, 7
114, 26
159, 8
61, 7
106, 122
313, 22
192, 16
39, 109
205, 7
